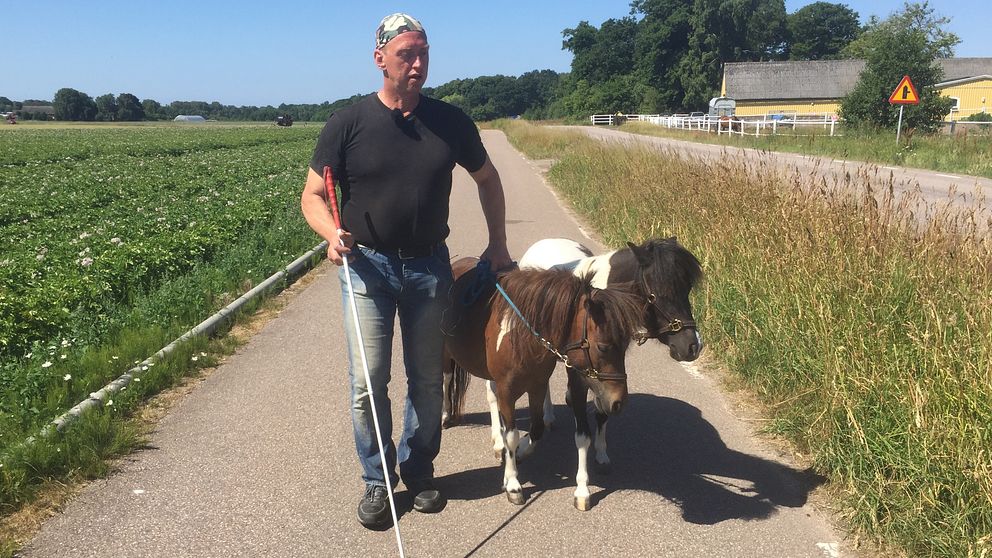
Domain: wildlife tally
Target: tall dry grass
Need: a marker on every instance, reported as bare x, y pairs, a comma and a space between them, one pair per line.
968, 152
862, 316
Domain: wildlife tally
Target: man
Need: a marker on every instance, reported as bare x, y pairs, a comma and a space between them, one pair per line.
392, 154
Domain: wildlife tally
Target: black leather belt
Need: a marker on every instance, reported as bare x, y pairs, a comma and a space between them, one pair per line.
409, 252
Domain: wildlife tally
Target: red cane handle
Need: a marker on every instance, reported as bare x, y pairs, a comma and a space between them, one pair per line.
332, 196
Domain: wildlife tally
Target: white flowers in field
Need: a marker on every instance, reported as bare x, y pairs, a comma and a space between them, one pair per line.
116, 241
67, 377
86, 262
46, 364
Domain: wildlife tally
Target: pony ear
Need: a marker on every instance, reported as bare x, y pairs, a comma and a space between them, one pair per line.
642, 255
594, 303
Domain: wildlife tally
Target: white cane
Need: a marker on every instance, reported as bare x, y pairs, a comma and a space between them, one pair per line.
332, 196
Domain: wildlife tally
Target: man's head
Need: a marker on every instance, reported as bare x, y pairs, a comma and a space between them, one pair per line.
401, 52
394, 25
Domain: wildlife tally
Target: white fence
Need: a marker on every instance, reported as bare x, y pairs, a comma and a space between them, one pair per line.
764, 125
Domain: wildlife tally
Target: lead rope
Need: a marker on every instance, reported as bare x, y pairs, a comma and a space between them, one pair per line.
484, 271
329, 185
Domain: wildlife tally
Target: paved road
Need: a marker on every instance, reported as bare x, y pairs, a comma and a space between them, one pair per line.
935, 188
258, 460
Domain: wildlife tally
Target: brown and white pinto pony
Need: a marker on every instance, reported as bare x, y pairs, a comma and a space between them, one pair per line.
484, 336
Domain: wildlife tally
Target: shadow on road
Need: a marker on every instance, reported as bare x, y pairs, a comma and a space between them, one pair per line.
660, 445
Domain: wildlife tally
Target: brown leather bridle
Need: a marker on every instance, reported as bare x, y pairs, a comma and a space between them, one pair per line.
674, 324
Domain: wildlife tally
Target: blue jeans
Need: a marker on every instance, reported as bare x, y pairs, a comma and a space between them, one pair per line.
416, 289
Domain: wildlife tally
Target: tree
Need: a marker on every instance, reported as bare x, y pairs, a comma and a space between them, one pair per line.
611, 53
70, 104
906, 43
6, 104
914, 18
152, 109
661, 43
106, 107
821, 30
727, 31
129, 109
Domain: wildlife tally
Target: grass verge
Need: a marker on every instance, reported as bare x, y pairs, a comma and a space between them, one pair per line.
969, 154
44, 475
868, 336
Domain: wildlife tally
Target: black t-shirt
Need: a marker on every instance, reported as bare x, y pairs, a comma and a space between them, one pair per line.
395, 172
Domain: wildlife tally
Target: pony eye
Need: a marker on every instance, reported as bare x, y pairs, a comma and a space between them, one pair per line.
604, 347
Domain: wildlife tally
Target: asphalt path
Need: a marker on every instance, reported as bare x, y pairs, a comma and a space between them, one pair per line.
259, 460
937, 189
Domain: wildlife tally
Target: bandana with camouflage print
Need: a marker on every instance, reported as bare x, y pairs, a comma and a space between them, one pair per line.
393, 26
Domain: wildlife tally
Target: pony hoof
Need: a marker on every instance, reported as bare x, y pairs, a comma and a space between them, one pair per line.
448, 422
582, 504
498, 454
603, 468
515, 498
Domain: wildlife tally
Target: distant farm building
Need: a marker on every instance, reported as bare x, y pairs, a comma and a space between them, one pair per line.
817, 86
189, 118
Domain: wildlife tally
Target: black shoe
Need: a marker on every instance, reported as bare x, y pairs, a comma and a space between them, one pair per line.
373, 510
426, 498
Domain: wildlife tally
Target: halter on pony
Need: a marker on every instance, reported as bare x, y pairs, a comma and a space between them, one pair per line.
484, 274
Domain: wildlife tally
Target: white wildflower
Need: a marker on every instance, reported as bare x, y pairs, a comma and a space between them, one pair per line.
109, 403
86, 262
84, 236
196, 358
67, 377
47, 364
116, 241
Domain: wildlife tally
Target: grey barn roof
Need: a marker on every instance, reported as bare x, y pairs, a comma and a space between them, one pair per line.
819, 79
960, 68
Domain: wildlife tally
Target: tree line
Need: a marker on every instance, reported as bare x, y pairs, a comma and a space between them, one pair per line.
664, 56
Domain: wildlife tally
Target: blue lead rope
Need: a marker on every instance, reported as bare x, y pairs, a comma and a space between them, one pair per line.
484, 276
483, 270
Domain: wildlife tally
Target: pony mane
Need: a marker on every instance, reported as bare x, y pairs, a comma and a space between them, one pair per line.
673, 270
548, 299
620, 306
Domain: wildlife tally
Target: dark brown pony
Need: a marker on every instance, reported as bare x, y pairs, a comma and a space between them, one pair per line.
561, 317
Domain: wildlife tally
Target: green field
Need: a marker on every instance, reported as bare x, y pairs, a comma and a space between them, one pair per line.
116, 240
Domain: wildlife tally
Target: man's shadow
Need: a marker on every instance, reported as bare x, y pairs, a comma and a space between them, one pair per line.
660, 445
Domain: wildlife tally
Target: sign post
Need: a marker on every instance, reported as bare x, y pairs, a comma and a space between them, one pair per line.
904, 94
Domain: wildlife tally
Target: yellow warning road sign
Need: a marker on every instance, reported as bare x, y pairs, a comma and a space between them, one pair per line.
905, 93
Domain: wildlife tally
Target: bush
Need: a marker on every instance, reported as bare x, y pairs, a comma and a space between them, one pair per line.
979, 117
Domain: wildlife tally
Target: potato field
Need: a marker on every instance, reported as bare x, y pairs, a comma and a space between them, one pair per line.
109, 236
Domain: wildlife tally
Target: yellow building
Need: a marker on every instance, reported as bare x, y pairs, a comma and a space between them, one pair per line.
815, 87
970, 95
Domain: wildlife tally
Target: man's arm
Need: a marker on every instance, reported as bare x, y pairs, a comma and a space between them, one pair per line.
494, 208
313, 202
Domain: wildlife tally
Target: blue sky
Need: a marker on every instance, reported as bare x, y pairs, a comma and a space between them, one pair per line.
309, 51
